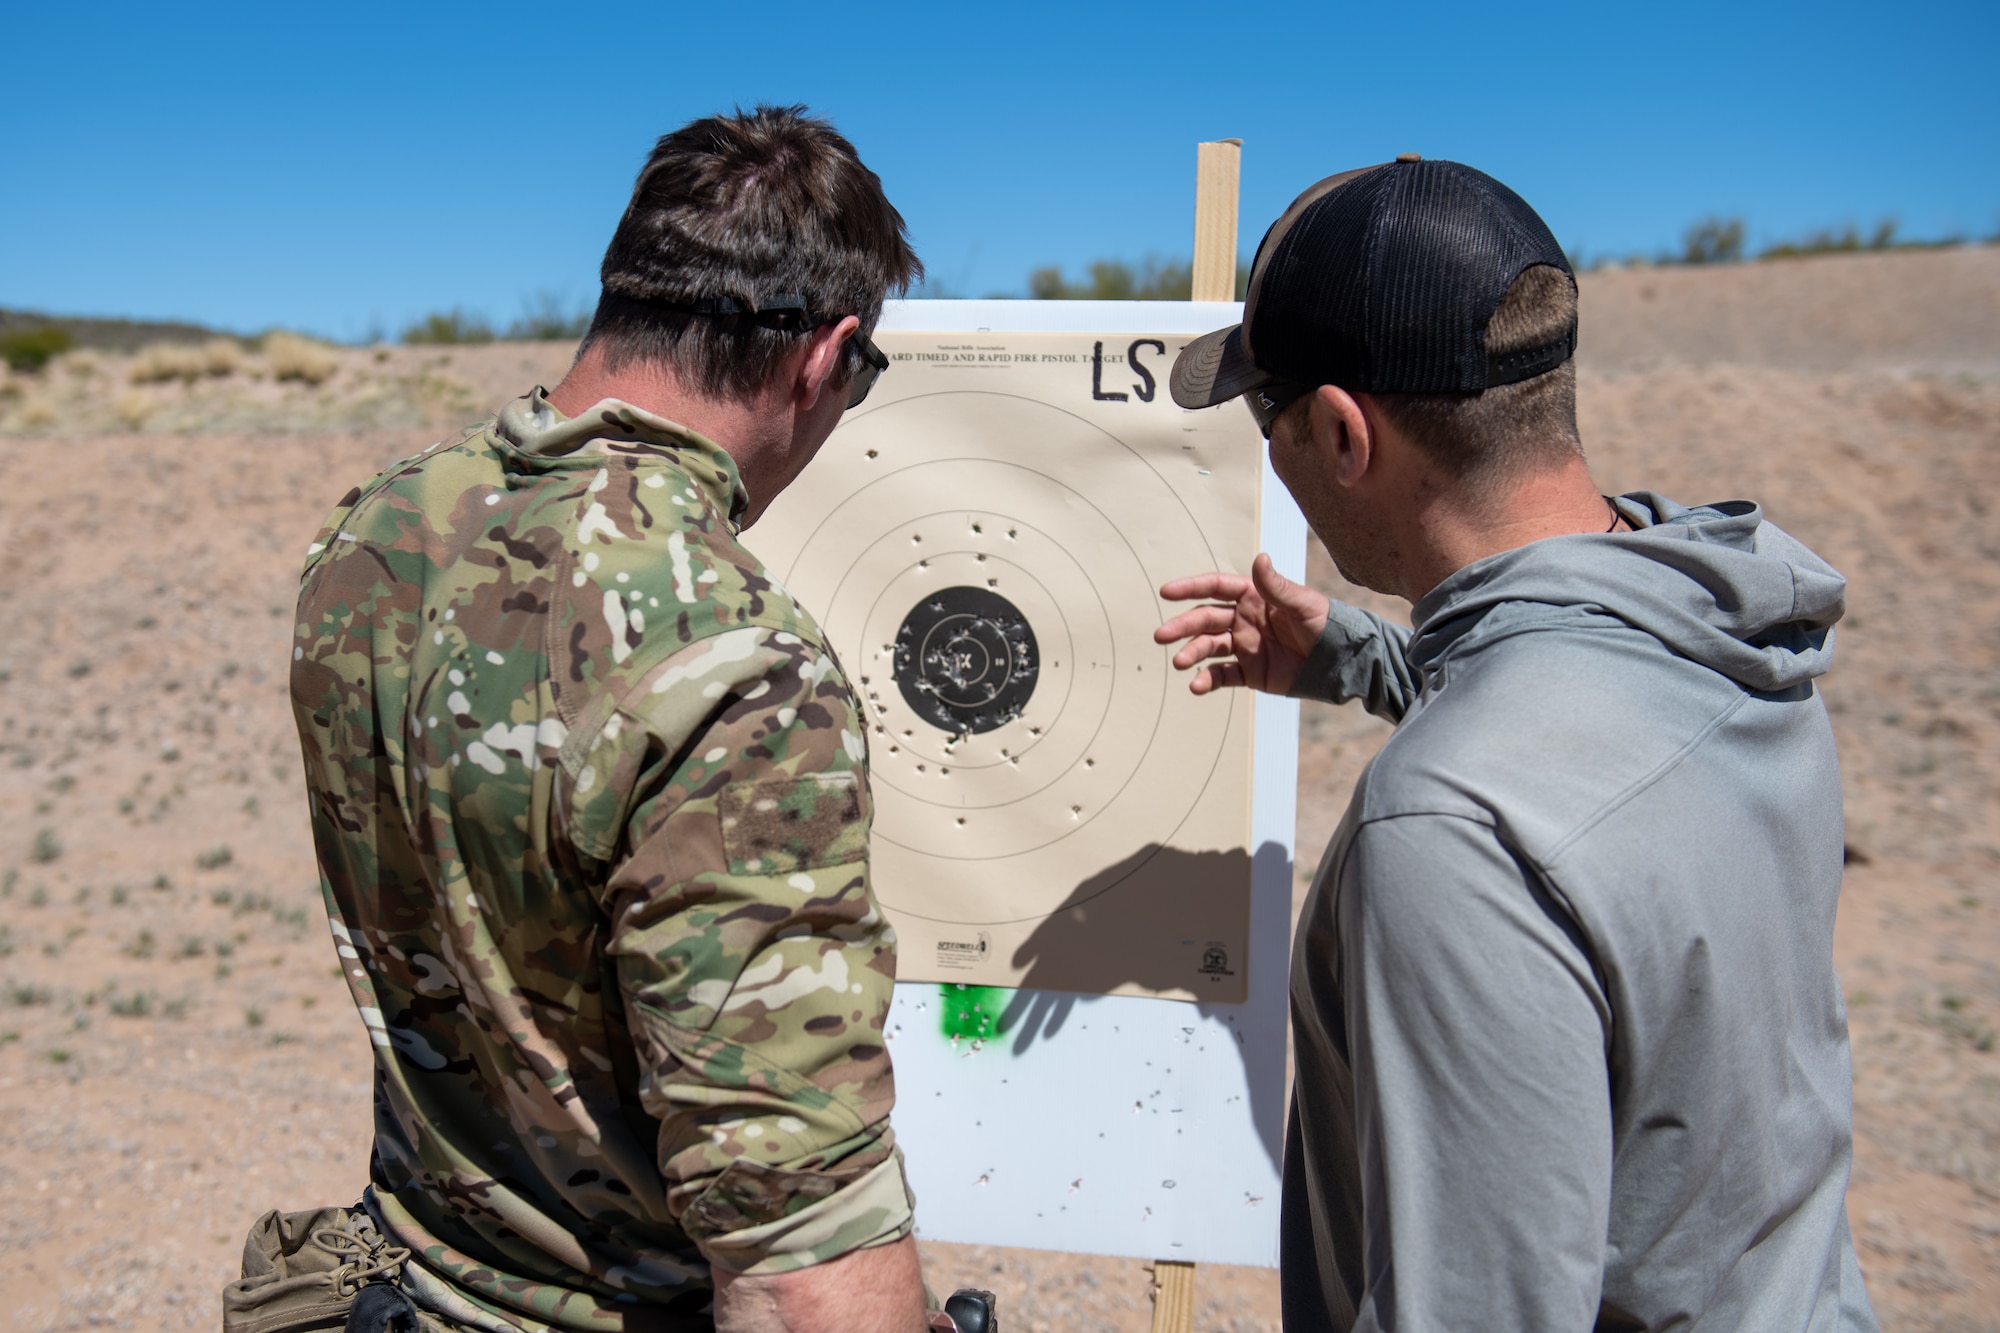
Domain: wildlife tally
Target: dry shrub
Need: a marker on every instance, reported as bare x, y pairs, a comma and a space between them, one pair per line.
37, 411
80, 365
295, 358
162, 362
221, 357
133, 408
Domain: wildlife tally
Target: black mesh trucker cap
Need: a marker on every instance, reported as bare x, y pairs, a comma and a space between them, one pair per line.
1381, 280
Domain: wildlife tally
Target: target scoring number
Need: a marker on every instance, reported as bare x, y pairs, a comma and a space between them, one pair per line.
965, 660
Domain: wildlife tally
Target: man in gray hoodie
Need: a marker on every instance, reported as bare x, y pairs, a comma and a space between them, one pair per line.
1570, 1049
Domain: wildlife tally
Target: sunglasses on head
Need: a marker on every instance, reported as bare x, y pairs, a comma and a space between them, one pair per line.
1269, 402
789, 308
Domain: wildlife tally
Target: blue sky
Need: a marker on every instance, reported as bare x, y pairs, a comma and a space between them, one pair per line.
346, 168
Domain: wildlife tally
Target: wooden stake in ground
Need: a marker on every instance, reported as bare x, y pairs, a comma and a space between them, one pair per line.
1218, 167
1173, 1296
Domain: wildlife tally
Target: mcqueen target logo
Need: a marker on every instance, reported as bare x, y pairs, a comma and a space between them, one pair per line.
964, 953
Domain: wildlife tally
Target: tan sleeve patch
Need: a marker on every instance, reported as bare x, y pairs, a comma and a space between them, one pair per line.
777, 828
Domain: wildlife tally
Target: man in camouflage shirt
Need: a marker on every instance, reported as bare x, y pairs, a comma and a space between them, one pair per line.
590, 797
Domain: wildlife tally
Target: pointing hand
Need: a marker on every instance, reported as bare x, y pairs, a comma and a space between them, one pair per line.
1266, 623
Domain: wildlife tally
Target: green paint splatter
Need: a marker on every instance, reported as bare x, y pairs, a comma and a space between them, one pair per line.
972, 1013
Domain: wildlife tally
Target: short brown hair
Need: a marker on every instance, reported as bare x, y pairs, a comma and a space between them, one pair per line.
1484, 437
746, 209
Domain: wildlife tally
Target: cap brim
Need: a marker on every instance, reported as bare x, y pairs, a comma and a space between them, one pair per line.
1214, 368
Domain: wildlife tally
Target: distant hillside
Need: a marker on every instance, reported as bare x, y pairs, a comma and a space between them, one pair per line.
1935, 311
107, 335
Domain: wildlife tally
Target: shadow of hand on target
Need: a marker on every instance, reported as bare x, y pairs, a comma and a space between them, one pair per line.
1123, 926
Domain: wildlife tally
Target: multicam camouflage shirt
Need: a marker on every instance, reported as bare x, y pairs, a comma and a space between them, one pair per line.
589, 795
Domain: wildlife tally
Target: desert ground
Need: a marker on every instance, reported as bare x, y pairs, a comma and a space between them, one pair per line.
177, 1052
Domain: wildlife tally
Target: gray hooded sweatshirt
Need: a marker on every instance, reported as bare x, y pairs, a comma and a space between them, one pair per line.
1570, 1050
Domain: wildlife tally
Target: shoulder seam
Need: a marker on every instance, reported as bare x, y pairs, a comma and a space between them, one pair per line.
1640, 784
368, 493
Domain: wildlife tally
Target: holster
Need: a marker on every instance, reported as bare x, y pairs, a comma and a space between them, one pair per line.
322, 1269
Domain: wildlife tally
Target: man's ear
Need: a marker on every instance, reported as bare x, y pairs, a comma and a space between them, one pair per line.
821, 362
1341, 434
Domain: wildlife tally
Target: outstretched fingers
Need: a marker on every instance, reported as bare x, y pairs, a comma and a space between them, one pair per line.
1201, 620
1232, 634
1222, 587
1219, 676
1203, 647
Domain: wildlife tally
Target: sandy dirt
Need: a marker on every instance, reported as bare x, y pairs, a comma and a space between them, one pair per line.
177, 1052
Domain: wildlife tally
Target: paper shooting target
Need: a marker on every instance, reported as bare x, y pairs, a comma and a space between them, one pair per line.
1052, 807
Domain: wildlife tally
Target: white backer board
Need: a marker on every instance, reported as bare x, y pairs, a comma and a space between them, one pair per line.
1117, 1124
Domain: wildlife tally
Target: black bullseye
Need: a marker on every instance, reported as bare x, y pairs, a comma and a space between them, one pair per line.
966, 660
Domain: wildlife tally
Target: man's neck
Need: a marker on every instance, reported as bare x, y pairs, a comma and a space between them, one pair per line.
1451, 528
732, 423
756, 431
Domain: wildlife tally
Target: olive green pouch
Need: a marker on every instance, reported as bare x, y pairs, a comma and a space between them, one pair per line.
301, 1271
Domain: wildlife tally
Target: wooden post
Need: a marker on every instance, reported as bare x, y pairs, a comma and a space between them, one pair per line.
1173, 1295
1218, 168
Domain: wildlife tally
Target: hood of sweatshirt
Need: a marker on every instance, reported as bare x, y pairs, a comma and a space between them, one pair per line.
1715, 584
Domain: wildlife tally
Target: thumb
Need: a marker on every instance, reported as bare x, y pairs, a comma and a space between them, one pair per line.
1275, 587
1304, 609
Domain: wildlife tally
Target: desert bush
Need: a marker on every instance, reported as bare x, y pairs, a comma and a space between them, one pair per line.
25, 993
133, 408
31, 349
162, 363
214, 858
1833, 241
292, 357
1116, 280
139, 1004
448, 328
1713, 240
47, 847
545, 320
221, 357
37, 411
